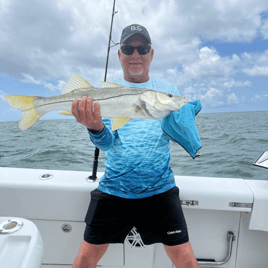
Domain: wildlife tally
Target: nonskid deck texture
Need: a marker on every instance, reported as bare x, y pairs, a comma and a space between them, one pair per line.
223, 216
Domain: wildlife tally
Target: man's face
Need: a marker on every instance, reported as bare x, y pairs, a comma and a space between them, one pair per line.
136, 66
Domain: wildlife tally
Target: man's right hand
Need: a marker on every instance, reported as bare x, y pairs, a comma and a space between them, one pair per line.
86, 115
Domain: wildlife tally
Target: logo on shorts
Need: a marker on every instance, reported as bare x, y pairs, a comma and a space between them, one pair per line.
174, 232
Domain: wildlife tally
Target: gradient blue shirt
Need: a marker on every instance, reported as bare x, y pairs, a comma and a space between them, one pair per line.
137, 156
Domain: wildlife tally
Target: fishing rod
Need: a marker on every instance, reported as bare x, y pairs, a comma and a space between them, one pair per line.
93, 177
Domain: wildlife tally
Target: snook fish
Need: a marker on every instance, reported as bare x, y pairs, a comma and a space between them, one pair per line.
116, 101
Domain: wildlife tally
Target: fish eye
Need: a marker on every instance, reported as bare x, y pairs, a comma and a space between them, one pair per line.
170, 95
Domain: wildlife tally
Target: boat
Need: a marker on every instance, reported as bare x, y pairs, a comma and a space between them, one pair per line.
42, 219
227, 219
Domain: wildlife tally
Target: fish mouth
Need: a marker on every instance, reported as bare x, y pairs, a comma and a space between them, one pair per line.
180, 103
175, 106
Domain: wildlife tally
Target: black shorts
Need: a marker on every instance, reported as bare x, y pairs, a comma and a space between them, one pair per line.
158, 219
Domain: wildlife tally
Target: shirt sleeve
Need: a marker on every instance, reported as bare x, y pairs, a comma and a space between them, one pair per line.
104, 140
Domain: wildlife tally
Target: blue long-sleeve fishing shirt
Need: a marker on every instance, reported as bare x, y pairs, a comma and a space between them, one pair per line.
137, 156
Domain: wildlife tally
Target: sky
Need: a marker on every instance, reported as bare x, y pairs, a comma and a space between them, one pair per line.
214, 51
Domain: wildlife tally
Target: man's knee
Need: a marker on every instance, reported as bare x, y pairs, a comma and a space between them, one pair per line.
82, 261
181, 254
89, 254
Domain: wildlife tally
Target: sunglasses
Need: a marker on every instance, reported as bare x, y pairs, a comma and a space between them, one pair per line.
142, 50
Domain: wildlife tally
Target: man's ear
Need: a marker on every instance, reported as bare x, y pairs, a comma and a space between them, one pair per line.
152, 54
119, 53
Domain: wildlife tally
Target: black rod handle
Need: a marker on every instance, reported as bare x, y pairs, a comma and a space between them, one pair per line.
95, 164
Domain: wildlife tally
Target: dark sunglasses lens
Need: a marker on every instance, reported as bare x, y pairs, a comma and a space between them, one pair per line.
128, 50
143, 50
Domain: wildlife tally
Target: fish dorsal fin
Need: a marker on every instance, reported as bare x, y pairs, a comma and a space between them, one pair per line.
119, 122
75, 82
110, 84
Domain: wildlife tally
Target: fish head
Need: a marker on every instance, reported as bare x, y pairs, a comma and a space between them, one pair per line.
169, 101
159, 104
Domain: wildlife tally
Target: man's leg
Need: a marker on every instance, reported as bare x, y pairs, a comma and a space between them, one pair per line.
89, 255
182, 256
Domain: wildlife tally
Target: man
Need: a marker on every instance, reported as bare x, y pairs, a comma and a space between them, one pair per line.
138, 176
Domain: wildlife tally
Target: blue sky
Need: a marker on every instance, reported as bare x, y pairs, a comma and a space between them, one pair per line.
214, 51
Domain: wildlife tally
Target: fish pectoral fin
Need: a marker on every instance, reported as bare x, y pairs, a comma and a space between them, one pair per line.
66, 113
119, 122
110, 85
75, 82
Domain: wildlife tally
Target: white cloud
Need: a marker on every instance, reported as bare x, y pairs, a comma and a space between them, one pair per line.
232, 99
212, 93
232, 21
264, 29
232, 83
256, 98
59, 86
209, 63
212, 98
259, 98
257, 71
2, 95
212, 75
255, 64
29, 79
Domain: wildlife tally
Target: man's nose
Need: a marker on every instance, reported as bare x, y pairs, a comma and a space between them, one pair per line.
136, 53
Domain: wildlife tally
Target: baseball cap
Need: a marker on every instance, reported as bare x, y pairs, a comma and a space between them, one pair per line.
134, 29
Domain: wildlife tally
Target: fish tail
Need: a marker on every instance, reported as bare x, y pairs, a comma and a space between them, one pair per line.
26, 104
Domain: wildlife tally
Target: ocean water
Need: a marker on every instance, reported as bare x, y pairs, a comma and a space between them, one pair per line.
231, 142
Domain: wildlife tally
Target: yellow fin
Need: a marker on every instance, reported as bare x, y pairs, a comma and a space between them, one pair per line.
119, 122
66, 113
20, 102
25, 103
110, 84
75, 82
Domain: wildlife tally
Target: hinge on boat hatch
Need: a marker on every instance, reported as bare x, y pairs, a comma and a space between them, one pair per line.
189, 202
240, 205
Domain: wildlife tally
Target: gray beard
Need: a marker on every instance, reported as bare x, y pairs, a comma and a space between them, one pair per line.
132, 74
136, 74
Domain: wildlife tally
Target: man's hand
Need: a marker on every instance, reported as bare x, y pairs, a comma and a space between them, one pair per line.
86, 115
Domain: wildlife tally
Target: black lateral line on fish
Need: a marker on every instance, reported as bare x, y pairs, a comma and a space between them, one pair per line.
80, 100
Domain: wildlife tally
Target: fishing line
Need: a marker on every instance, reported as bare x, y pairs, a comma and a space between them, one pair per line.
116, 34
